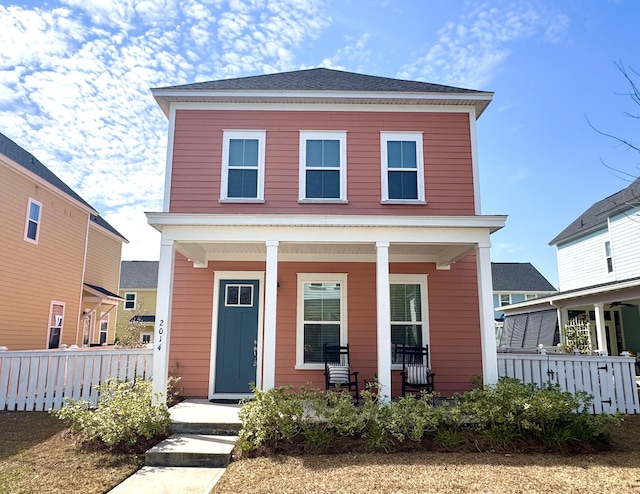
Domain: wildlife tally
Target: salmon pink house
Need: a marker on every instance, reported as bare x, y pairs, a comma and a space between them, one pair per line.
321, 207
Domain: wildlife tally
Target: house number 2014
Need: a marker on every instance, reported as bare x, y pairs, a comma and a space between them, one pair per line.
160, 332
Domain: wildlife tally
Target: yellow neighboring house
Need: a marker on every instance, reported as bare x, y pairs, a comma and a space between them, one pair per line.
59, 260
138, 288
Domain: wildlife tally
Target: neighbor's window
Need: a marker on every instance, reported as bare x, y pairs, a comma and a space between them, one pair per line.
32, 226
130, 301
505, 299
56, 318
402, 167
607, 253
323, 166
104, 328
243, 166
321, 315
408, 308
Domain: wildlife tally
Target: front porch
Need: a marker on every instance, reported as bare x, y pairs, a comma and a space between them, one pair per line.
369, 252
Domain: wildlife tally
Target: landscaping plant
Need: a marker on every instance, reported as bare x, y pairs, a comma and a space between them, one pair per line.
124, 420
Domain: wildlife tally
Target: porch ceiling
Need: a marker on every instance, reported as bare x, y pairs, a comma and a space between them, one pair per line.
442, 254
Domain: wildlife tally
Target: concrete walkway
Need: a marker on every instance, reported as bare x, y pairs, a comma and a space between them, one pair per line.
194, 458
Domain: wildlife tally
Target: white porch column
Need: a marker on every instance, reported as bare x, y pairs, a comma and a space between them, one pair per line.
163, 318
600, 328
383, 305
487, 316
270, 305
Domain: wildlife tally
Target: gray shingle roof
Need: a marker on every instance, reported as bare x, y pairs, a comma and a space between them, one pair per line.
596, 216
518, 277
24, 158
321, 79
138, 274
28, 161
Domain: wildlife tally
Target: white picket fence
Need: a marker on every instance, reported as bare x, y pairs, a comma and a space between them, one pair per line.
41, 380
611, 380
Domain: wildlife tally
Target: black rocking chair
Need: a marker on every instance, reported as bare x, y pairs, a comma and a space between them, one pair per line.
337, 373
416, 373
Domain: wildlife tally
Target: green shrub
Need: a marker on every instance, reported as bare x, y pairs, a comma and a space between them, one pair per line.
125, 419
505, 414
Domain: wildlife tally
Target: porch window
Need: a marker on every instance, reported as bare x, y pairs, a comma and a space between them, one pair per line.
243, 166
56, 318
32, 226
608, 257
130, 301
402, 167
323, 163
408, 308
321, 316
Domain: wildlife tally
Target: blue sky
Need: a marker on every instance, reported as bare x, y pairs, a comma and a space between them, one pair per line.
75, 78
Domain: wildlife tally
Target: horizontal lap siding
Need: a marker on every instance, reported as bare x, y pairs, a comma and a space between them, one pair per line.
453, 322
197, 155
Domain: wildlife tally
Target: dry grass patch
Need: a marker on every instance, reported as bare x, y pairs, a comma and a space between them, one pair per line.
615, 471
38, 455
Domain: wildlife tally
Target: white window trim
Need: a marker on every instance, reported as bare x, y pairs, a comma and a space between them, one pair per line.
49, 325
135, 301
607, 257
38, 223
500, 295
414, 279
320, 278
260, 135
146, 333
104, 318
385, 137
339, 135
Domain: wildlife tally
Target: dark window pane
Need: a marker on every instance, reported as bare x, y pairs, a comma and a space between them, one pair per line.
232, 295
315, 336
401, 154
246, 295
405, 303
323, 153
394, 154
243, 183
404, 334
314, 152
322, 184
409, 159
403, 185
331, 154
32, 230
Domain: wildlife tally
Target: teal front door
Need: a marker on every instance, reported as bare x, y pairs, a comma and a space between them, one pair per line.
237, 341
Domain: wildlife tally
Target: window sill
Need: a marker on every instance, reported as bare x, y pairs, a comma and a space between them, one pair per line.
309, 367
403, 201
323, 201
242, 200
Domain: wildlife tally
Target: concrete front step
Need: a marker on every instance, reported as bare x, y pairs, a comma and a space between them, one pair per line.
170, 480
192, 450
199, 416
208, 428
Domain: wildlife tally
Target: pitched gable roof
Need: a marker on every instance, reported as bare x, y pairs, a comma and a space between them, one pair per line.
30, 163
596, 216
321, 79
321, 82
139, 274
518, 277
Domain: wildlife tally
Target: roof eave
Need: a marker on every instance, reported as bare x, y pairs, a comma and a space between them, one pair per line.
164, 97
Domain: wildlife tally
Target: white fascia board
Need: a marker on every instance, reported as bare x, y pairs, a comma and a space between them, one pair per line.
161, 220
323, 106
21, 170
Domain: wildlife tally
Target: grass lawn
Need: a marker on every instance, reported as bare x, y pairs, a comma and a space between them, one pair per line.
36, 456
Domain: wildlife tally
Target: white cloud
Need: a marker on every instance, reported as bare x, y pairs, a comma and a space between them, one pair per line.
469, 50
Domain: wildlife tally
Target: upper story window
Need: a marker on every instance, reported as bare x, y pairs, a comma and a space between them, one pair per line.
608, 257
322, 304
505, 299
243, 166
323, 166
32, 225
130, 300
402, 167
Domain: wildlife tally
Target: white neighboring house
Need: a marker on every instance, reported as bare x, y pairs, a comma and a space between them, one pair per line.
599, 275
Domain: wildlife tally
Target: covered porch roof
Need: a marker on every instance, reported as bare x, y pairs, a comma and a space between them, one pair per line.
442, 240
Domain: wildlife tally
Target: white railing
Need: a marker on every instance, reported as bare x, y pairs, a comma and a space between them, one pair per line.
41, 380
611, 380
